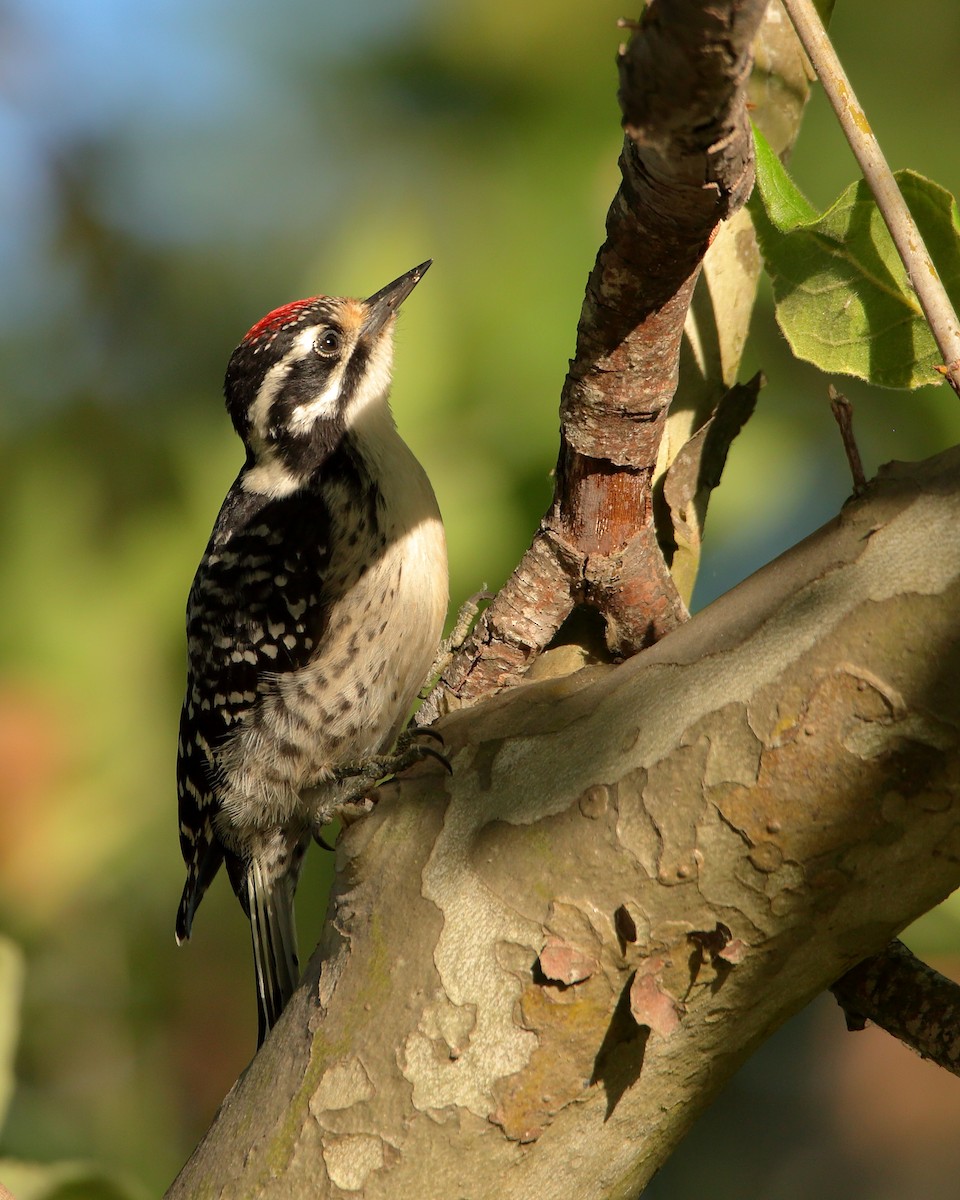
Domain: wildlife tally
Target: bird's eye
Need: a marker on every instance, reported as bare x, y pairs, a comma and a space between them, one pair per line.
328, 343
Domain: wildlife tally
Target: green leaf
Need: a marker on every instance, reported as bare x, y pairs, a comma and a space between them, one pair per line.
786, 207
842, 296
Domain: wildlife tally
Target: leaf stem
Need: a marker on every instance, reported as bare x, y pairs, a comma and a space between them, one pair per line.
921, 272
843, 412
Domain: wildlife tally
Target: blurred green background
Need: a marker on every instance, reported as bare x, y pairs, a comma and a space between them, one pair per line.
169, 171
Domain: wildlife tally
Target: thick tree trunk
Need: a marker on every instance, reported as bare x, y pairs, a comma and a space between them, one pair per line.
538, 972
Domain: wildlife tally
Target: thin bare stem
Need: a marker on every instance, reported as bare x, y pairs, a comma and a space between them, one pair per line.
843, 412
910, 246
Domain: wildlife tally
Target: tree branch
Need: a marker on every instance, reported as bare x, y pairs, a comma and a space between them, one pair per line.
536, 974
686, 166
904, 996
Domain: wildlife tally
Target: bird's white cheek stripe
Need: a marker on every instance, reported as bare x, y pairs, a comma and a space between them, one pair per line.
269, 389
376, 381
304, 415
322, 406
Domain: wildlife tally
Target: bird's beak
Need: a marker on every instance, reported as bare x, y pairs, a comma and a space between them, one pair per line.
383, 304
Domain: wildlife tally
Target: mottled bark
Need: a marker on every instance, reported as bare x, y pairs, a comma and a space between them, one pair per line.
538, 972
907, 998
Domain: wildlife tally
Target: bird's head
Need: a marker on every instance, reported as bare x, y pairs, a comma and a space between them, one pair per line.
305, 374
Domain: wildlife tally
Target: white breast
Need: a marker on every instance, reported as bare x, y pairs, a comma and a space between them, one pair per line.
380, 640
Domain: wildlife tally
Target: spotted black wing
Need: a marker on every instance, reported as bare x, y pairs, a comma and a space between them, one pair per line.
255, 610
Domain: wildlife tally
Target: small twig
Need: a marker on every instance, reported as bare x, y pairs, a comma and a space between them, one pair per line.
450, 645
908, 999
843, 411
923, 275
464, 623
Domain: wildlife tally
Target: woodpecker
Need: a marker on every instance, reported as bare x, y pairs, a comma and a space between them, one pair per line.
314, 615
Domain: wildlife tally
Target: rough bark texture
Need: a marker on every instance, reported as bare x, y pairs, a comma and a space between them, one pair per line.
907, 998
687, 165
536, 973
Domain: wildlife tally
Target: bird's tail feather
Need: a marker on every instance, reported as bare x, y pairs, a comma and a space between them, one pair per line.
200, 873
274, 944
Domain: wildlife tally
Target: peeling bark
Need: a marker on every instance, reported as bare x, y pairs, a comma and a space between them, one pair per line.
538, 972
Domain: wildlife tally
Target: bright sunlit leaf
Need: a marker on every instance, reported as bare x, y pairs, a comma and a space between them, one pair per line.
842, 295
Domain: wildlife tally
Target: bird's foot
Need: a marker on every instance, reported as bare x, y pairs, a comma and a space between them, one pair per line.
359, 779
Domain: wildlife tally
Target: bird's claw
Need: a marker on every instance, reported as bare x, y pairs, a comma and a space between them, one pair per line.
368, 773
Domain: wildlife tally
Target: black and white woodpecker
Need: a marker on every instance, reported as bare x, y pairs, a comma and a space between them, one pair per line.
315, 613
